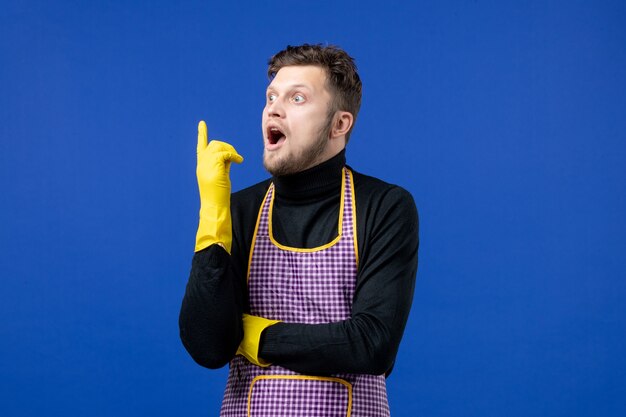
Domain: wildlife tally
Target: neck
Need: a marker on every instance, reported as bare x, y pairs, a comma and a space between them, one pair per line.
312, 182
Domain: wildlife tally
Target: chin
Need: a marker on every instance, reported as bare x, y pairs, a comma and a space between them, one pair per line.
271, 163
280, 166
283, 161
276, 168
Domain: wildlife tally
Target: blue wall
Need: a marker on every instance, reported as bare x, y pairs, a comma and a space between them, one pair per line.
506, 121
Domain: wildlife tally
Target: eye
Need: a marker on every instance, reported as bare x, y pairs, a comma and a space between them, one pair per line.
271, 97
298, 98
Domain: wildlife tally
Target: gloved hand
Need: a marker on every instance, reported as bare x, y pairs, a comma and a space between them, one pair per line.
253, 326
213, 167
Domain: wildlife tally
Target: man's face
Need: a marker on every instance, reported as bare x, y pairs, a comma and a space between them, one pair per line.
296, 121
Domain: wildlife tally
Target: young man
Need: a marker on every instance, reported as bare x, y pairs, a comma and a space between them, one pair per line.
308, 292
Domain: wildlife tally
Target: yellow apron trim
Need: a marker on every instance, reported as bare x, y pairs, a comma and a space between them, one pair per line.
307, 377
356, 244
256, 229
319, 248
327, 245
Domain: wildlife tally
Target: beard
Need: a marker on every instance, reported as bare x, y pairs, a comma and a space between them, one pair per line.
306, 158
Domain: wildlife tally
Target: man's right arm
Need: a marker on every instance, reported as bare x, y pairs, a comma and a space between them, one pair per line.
210, 316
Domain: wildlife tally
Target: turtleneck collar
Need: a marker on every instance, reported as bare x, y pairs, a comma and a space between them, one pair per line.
313, 182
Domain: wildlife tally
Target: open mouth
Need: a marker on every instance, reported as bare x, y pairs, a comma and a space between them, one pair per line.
275, 136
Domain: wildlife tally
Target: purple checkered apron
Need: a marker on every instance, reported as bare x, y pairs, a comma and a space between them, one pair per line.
309, 286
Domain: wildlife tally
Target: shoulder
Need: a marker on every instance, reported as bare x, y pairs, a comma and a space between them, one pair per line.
244, 207
245, 203
376, 195
250, 195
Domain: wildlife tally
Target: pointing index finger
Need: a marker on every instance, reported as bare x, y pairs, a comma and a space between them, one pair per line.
202, 136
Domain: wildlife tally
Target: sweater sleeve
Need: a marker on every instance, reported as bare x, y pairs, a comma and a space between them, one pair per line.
367, 342
210, 316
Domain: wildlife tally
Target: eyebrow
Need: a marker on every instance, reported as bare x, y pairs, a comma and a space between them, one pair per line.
292, 87
300, 86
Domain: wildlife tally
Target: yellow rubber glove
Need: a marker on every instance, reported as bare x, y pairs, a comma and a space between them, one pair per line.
213, 167
253, 326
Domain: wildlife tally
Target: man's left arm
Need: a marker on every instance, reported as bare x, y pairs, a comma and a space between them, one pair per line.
367, 342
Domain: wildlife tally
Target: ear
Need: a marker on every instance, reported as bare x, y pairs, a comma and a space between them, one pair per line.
342, 122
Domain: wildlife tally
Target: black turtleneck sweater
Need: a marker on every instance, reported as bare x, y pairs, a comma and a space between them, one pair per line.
306, 209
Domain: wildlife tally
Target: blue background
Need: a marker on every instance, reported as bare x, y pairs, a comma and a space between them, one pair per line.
506, 121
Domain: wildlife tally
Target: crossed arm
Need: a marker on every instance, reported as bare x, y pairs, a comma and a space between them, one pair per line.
211, 315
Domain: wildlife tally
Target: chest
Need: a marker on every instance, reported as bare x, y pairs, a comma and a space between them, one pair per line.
304, 285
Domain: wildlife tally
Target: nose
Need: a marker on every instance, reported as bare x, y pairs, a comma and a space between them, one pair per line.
274, 108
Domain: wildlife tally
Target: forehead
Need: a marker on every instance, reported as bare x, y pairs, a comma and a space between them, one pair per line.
310, 76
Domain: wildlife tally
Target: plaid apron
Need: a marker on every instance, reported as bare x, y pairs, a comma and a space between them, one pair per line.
309, 286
